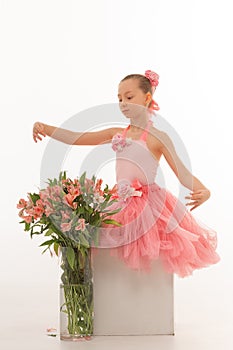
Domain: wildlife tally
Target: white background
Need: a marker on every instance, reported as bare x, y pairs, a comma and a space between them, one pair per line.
61, 57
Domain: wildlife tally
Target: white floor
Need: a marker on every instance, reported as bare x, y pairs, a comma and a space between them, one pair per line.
203, 318
189, 336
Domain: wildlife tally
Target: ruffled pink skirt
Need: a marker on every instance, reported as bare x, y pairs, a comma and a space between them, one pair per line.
158, 226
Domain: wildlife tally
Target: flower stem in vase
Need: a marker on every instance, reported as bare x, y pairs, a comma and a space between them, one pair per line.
76, 296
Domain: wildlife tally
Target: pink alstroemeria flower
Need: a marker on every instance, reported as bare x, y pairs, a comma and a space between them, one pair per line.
44, 194
27, 219
22, 204
38, 212
81, 225
88, 184
39, 203
66, 226
65, 215
68, 199
73, 187
49, 210
98, 186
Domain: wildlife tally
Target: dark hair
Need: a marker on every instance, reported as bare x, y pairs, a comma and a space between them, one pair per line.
143, 83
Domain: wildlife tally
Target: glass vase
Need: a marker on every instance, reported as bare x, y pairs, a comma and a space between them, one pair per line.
76, 295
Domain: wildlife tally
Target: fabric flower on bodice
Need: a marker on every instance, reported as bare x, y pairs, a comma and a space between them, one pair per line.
119, 142
125, 189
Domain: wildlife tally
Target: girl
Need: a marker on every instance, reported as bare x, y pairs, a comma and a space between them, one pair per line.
155, 224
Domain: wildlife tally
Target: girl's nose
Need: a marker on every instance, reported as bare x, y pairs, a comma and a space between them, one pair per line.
123, 103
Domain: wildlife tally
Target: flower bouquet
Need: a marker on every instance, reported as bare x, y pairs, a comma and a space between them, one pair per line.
69, 213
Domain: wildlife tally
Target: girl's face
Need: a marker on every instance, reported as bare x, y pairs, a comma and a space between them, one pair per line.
132, 100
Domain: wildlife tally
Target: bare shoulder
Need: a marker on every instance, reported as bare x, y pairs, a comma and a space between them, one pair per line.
155, 141
161, 138
115, 131
159, 143
156, 137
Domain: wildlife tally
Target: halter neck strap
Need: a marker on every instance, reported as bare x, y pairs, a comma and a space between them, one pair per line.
144, 133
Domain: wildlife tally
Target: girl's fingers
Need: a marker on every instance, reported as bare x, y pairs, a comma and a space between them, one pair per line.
195, 206
197, 198
192, 203
196, 192
194, 197
38, 128
36, 135
191, 197
41, 132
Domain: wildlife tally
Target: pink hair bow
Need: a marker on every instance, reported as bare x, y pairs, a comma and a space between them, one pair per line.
154, 80
154, 106
153, 77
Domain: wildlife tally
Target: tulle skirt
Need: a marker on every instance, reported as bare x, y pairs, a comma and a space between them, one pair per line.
157, 225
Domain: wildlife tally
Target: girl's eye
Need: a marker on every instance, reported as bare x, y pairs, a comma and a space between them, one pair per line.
128, 98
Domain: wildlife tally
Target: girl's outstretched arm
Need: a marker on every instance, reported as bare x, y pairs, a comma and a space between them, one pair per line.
199, 192
71, 137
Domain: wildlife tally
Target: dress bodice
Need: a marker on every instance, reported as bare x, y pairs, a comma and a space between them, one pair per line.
134, 160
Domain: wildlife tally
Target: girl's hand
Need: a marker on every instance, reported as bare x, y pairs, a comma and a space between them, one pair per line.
198, 197
38, 129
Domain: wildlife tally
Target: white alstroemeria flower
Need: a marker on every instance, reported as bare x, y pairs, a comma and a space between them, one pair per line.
98, 198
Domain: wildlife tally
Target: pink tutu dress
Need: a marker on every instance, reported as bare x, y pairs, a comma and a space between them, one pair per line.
155, 224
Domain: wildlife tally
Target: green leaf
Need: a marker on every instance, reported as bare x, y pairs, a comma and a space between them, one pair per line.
34, 197
111, 212
45, 250
48, 243
62, 176
49, 232
70, 257
84, 241
111, 221
111, 201
35, 233
82, 178
95, 239
106, 188
27, 226
56, 247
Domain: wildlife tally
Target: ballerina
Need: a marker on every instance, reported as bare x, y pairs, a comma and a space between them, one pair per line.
155, 224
